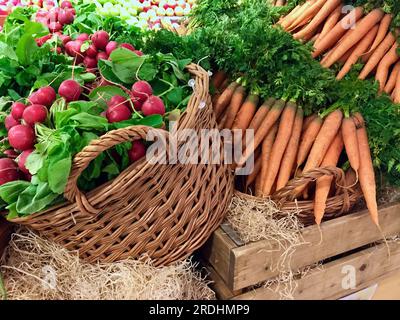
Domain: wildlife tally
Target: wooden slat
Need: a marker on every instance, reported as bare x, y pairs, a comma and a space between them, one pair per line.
370, 264
218, 285
253, 263
217, 252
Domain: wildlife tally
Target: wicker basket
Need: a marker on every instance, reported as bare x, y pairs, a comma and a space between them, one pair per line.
336, 206
162, 212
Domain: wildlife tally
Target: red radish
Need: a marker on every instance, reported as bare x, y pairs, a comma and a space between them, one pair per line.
103, 114
118, 114
66, 4
73, 11
10, 153
45, 96
21, 137
116, 101
70, 90
141, 90
55, 26
111, 46
17, 109
100, 39
52, 16
137, 104
73, 48
58, 50
83, 37
8, 171
138, 52
103, 82
91, 51
153, 105
10, 122
128, 46
42, 40
22, 160
65, 17
90, 62
35, 113
137, 151
65, 39
102, 56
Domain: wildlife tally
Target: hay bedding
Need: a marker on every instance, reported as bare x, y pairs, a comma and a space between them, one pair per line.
34, 268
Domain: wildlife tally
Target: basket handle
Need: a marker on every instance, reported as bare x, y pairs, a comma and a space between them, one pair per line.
286, 194
95, 148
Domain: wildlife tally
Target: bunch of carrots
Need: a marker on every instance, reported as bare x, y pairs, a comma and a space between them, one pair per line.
287, 144
349, 37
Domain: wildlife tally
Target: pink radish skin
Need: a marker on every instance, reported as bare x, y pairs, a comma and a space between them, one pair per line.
55, 26
35, 113
91, 51
8, 171
102, 56
21, 137
17, 109
100, 39
111, 46
44, 96
70, 90
117, 101
64, 39
65, 17
137, 151
10, 122
11, 154
153, 105
90, 63
141, 91
83, 37
118, 114
73, 48
128, 46
138, 52
66, 4
22, 160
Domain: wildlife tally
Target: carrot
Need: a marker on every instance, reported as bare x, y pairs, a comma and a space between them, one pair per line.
349, 133
396, 90
360, 31
382, 31
333, 36
308, 120
326, 10
366, 173
218, 78
257, 168
279, 147
296, 17
280, 3
266, 150
308, 14
351, 178
234, 106
391, 83
291, 16
289, 157
322, 143
330, 22
271, 118
382, 71
377, 56
246, 113
224, 99
307, 139
359, 50
323, 184
222, 120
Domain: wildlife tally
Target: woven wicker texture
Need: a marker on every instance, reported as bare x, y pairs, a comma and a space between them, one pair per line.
160, 211
336, 206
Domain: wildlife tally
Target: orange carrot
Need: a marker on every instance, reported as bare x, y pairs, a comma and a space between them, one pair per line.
377, 56
257, 168
318, 19
351, 178
289, 157
323, 184
308, 14
266, 150
382, 31
307, 140
246, 113
349, 133
279, 147
218, 78
360, 31
236, 102
224, 99
322, 143
308, 120
396, 90
359, 50
271, 118
330, 22
391, 83
382, 71
290, 17
366, 174
333, 36
298, 16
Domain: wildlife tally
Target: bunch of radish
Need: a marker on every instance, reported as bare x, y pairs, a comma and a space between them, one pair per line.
56, 18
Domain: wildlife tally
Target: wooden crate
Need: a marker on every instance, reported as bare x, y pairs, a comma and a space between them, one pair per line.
235, 267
